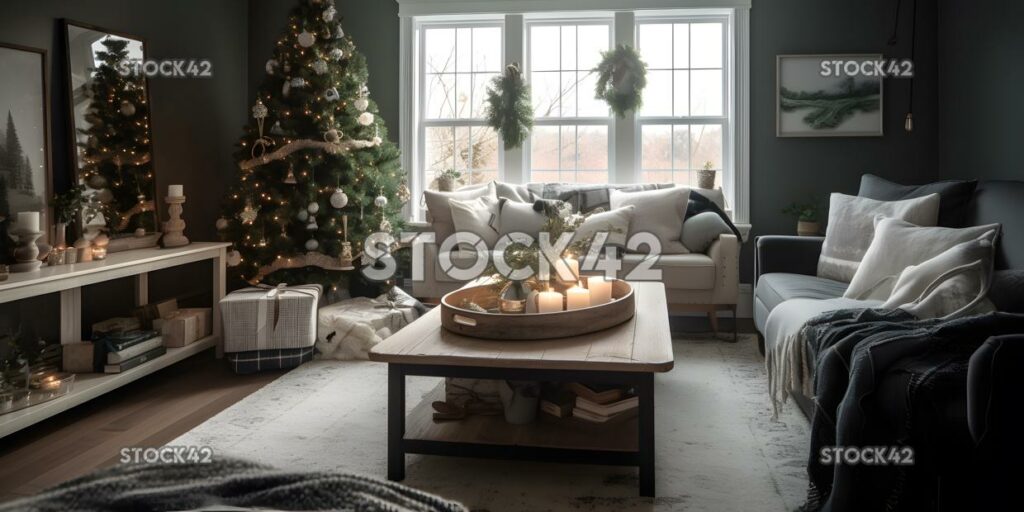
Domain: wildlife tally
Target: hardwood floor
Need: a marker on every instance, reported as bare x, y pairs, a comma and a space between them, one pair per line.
147, 413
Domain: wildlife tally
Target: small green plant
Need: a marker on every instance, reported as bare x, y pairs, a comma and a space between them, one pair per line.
449, 174
709, 166
804, 212
67, 204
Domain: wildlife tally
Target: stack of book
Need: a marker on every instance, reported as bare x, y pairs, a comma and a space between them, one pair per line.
126, 350
594, 404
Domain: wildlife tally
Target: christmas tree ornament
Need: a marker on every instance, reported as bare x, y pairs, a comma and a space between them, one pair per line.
331, 94
289, 179
272, 66
311, 226
337, 54
365, 119
380, 201
262, 242
312, 244
276, 129
339, 32
298, 82
303, 215
361, 104
313, 207
249, 214
286, 87
234, 258
260, 145
339, 199
97, 182
404, 194
127, 108
306, 39
319, 67
333, 136
385, 225
222, 224
329, 13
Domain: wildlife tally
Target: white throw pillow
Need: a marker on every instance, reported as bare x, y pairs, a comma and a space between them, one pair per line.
517, 217
899, 244
659, 212
615, 223
916, 280
851, 224
439, 214
474, 216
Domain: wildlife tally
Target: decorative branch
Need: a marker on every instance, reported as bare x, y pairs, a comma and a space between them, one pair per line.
126, 216
310, 259
333, 148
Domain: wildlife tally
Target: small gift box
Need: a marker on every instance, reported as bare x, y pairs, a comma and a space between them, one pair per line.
265, 318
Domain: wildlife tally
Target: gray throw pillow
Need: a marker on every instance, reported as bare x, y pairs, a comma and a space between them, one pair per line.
517, 217
439, 213
1007, 291
512, 192
702, 229
955, 196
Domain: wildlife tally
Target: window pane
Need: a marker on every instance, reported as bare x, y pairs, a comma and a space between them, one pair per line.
463, 92
681, 45
440, 101
681, 93
707, 45
480, 83
545, 91
463, 151
656, 147
463, 50
681, 147
543, 40
439, 50
657, 177
588, 104
485, 148
487, 49
439, 152
567, 155
569, 90
706, 145
568, 48
656, 45
595, 177
593, 39
544, 176
544, 148
593, 148
658, 94
706, 93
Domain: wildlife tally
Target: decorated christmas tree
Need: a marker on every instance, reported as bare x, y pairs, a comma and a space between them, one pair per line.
316, 173
116, 157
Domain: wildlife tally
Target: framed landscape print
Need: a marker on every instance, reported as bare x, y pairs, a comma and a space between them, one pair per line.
827, 96
24, 145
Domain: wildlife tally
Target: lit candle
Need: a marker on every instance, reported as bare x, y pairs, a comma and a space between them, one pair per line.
600, 289
574, 268
549, 302
176, 190
28, 221
577, 297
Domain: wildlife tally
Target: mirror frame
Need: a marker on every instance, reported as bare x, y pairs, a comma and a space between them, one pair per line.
65, 24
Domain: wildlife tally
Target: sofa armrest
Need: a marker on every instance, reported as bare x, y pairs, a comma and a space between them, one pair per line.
789, 254
725, 252
994, 388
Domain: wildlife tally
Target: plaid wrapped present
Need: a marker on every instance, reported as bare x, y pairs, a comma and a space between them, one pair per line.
264, 318
253, 361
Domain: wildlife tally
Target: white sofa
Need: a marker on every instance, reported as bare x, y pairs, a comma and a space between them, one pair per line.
696, 282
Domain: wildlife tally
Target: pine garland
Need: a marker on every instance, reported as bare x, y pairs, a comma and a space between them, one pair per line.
508, 107
621, 77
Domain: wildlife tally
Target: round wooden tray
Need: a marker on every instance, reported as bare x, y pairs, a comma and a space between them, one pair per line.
532, 326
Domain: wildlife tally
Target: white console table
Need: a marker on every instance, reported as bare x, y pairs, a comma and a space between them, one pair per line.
68, 280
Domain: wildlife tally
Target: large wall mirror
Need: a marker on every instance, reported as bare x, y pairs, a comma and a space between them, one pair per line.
112, 141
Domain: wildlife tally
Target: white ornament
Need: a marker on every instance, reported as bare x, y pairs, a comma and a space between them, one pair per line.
259, 110
329, 13
337, 54
303, 215
339, 199
234, 258
339, 32
312, 225
298, 82
333, 136
331, 94
222, 224
366, 119
313, 207
272, 66
362, 104
249, 214
319, 67
127, 108
312, 244
276, 129
306, 39
380, 202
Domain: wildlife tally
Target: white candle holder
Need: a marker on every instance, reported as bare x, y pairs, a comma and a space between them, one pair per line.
27, 252
174, 228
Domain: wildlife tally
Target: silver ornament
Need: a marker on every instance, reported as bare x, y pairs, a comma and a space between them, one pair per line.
312, 244
362, 104
337, 54
306, 39
272, 66
380, 202
339, 32
298, 82
303, 215
312, 225
259, 110
329, 13
222, 224
127, 108
331, 94
313, 208
365, 119
319, 67
234, 258
339, 199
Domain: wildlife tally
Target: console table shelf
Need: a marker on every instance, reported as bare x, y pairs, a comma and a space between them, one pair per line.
68, 280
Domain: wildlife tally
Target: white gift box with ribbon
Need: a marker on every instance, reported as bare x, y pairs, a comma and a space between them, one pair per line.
264, 318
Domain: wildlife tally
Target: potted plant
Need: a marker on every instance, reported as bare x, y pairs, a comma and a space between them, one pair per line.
807, 215
706, 176
65, 206
447, 179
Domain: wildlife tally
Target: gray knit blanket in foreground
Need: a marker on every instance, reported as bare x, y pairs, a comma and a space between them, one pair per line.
226, 484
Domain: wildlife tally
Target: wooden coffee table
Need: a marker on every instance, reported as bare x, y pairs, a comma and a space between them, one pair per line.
628, 354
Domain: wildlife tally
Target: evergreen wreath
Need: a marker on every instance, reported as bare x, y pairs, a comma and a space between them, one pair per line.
508, 106
621, 76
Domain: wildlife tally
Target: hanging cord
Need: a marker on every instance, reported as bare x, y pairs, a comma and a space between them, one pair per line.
908, 125
895, 25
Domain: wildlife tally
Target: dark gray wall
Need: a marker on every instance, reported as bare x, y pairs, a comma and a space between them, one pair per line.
373, 25
980, 49
195, 121
783, 170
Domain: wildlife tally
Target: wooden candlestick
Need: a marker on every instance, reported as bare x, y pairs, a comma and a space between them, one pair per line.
174, 228
27, 252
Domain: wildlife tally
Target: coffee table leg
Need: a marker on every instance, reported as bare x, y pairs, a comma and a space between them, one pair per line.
646, 445
396, 422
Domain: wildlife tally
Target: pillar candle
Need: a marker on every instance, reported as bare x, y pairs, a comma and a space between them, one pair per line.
574, 267
175, 190
600, 289
28, 221
577, 297
549, 302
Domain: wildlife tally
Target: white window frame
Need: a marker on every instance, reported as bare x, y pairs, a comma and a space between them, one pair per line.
623, 133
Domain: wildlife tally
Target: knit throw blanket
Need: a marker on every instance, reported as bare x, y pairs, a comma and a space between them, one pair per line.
225, 484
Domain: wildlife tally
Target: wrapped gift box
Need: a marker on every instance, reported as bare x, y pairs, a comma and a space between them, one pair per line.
78, 357
264, 318
185, 326
350, 328
148, 314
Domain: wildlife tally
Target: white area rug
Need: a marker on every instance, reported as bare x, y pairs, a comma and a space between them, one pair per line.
717, 447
